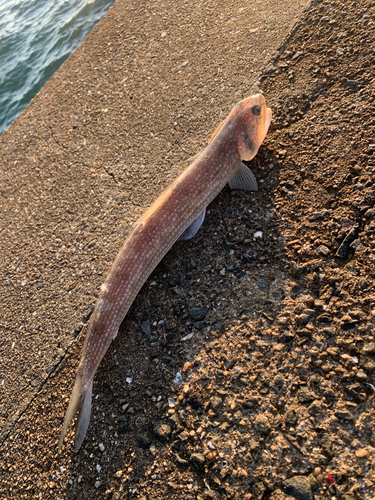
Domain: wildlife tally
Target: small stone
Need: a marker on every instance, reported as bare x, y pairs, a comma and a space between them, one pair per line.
250, 255
145, 439
146, 327
361, 453
262, 283
344, 414
187, 367
316, 216
197, 461
290, 417
224, 426
181, 463
323, 250
298, 487
315, 408
122, 425
101, 447
357, 245
198, 313
199, 325
262, 424
215, 401
278, 381
162, 431
361, 375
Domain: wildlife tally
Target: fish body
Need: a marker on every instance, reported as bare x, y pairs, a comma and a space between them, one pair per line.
176, 214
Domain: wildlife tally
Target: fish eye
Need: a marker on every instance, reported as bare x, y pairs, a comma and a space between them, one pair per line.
256, 110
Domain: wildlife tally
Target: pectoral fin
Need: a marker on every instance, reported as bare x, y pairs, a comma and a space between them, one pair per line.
192, 230
243, 178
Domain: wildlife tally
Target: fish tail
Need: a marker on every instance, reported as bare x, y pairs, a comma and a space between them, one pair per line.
80, 399
83, 417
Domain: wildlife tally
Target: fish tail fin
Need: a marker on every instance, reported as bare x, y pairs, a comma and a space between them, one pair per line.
83, 417
80, 399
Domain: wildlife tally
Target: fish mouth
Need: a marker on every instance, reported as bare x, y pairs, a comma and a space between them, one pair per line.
267, 123
263, 129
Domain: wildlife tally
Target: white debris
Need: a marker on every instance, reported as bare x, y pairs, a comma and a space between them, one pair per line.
178, 378
129, 380
171, 403
188, 336
258, 234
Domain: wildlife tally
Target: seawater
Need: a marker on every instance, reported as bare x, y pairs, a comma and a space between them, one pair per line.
36, 36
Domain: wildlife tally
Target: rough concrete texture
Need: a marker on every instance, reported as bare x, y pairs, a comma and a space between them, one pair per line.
273, 336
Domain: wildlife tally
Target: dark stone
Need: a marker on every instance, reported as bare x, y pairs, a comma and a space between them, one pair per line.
305, 395
198, 313
344, 414
146, 327
197, 461
344, 248
199, 325
325, 443
235, 265
290, 417
356, 392
181, 463
240, 275
122, 425
316, 216
262, 424
145, 439
250, 255
262, 283
315, 408
258, 490
298, 487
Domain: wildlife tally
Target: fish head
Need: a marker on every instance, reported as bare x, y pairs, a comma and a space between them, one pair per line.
255, 119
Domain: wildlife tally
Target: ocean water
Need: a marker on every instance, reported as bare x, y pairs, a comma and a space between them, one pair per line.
36, 36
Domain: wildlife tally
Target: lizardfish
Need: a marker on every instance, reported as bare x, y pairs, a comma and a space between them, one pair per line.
177, 214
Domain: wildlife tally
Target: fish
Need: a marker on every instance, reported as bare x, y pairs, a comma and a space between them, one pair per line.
177, 214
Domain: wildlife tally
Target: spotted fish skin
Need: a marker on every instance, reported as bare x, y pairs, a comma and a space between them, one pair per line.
237, 138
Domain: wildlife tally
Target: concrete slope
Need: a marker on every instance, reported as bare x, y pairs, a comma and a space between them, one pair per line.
94, 148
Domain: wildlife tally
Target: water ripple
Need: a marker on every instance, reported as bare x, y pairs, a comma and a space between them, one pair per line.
35, 39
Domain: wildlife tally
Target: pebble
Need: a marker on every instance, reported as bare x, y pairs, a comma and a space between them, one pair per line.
262, 424
197, 461
250, 255
323, 250
344, 414
298, 487
317, 216
145, 439
361, 453
198, 313
162, 431
181, 463
215, 401
146, 327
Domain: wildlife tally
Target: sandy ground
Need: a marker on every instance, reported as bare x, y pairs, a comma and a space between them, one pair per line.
278, 392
